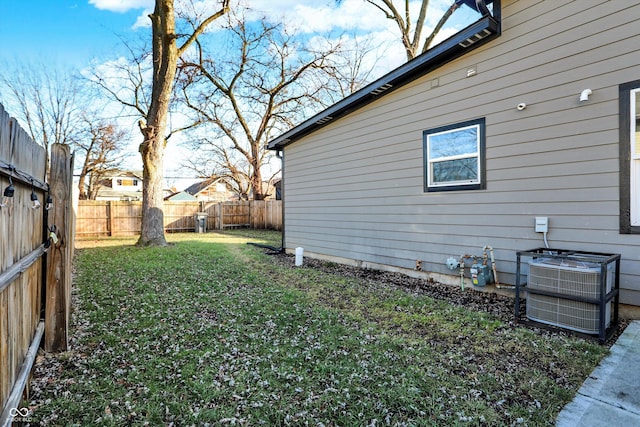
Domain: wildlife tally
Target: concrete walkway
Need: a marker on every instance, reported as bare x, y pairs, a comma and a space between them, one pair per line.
611, 394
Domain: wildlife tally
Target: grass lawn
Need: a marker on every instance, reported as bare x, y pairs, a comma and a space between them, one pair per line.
212, 331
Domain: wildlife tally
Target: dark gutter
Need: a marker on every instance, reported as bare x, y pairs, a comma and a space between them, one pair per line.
485, 29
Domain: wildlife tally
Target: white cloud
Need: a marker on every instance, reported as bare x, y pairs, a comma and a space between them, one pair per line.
143, 20
349, 16
356, 16
122, 5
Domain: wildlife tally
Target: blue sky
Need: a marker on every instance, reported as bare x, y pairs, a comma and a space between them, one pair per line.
75, 33
68, 31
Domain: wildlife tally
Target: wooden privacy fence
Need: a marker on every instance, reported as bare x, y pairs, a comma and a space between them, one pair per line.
35, 271
113, 218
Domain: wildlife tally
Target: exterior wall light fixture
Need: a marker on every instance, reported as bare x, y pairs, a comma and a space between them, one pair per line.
7, 196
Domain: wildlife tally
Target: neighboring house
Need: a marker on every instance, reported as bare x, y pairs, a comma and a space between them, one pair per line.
181, 196
168, 192
126, 186
532, 111
211, 190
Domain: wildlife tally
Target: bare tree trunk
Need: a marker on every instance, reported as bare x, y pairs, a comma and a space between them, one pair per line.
256, 182
165, 61
82, 192
411, 41
152, 202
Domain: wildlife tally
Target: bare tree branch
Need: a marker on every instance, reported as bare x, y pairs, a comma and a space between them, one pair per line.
266, 81
224, 9
101, 145
409, 34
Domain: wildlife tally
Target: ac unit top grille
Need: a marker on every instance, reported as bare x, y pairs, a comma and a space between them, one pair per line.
566, 277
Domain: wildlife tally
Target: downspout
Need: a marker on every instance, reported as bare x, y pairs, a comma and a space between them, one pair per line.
271, 248
280, 155
482, 8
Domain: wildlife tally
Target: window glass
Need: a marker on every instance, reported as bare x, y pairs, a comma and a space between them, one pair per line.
455, 170
635, 100
635, 156
454, 142
454, 156
629, 143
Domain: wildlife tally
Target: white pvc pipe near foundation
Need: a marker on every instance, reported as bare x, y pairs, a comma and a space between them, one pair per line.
299, 256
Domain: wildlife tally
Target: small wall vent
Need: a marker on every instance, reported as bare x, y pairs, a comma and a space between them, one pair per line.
475, 38
324, 120
381, 89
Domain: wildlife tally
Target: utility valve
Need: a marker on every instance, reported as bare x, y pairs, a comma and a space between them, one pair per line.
452, 263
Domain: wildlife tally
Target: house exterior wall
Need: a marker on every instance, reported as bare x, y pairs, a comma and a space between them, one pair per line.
126, 183
217, 192
354, 189
122, 187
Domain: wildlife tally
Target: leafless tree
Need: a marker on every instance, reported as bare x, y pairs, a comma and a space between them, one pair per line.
45, 99
172, 33
352, 67
411, 33
101, 145
267, 81
52, 104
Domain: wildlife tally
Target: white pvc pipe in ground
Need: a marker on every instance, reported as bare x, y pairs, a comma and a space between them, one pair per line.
299, 256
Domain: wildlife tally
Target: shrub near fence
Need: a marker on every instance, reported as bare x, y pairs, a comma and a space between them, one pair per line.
115, 218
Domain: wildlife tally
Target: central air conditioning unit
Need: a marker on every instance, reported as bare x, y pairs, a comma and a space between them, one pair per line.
574, 278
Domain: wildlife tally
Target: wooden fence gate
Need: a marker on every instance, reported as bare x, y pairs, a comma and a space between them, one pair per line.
31, 305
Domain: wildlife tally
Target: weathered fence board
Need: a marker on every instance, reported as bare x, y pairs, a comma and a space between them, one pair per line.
235, 214
266, 215
58, 283
114, 218
23, 164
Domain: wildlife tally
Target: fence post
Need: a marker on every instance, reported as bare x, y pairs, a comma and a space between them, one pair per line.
58, 286
110, 217
221, 213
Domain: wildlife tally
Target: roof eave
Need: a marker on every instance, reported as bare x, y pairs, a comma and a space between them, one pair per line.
485, 29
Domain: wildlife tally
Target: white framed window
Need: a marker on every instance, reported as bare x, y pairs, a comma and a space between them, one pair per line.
634, 136
454, 157
629, 106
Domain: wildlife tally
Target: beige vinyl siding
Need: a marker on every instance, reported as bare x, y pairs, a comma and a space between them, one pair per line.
355, 188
